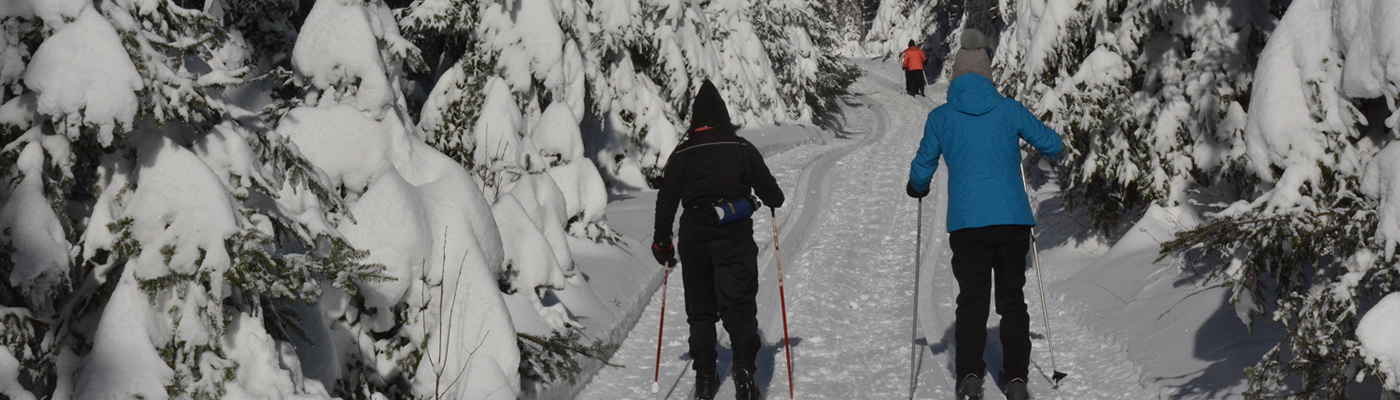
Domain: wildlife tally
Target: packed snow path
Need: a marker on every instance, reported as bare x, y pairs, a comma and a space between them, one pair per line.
847, 236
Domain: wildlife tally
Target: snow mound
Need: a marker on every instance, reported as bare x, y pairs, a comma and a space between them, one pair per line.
41, 255
337, 47
85, 77
422, 216
1382, 181
1376, 331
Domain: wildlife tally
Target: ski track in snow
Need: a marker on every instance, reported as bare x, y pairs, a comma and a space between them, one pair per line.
847, 236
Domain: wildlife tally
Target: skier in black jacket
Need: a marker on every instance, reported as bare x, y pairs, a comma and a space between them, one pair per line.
712, 166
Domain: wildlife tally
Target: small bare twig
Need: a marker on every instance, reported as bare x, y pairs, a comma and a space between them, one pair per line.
444, 343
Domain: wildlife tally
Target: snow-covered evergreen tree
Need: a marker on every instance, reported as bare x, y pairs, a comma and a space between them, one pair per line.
158, 240
846, 22
899, 21
438, 327
1276, 132
1311, 242
1149, 94
794, 34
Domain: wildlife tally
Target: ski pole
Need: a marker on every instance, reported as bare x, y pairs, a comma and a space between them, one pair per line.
782, 299
656, 380
1044, 311
914, 329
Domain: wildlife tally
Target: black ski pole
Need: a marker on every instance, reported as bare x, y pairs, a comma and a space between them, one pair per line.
1044, 311
914, 329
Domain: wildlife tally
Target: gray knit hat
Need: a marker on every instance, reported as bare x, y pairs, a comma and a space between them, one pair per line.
973, 57
973, 39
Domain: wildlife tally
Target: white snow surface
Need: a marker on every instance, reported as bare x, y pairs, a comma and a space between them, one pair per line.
1043, 20
9, 377
123, 362
1124, 325
180, 203
421, 215
84, 76
895, 24
1323, 53
265, 365
1283, 123
499, 131
1382, 181
39, 259
1371, 40
557, 136
339, 45
1376, 332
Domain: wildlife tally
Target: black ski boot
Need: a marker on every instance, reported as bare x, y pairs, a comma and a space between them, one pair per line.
744, 386
970, 388
706, 385
1016, 390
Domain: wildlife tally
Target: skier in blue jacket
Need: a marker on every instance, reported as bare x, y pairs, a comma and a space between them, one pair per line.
979, 131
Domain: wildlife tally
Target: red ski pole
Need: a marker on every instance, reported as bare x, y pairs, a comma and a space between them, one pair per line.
782, 299
656, 380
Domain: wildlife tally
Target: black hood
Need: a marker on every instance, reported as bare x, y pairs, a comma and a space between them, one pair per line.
708, 108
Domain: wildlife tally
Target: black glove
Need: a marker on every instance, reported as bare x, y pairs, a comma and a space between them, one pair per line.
665, 253
909, 188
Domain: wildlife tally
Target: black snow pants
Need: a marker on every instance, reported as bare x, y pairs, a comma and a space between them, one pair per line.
721, 282
983, 256
914, 81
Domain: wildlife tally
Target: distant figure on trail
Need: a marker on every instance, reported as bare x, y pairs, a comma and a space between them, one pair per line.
989, 214
914, 62
715, 167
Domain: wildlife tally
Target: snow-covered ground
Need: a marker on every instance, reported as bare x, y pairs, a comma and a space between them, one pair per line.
1124, 326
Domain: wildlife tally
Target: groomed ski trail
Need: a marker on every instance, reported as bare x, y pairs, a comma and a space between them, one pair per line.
847, 236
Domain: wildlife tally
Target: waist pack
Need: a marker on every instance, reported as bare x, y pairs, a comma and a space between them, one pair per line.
728, 212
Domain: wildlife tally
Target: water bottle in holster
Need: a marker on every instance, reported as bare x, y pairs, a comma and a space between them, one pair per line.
730, 211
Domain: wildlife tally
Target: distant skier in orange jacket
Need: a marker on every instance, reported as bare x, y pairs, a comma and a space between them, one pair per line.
914, 61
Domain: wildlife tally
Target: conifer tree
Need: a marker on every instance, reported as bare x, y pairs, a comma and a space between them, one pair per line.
795, 35
163, 287
1246, 118
1145, 116
1299, 235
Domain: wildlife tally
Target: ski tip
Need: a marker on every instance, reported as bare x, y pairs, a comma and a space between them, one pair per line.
1058, 376
655, 387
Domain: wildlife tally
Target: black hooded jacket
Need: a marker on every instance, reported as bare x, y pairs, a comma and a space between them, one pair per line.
712, 165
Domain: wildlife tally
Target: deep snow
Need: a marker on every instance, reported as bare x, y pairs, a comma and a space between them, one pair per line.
1123, 325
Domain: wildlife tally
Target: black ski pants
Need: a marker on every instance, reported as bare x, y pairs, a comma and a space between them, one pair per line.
914, 81
721, 282
982, 257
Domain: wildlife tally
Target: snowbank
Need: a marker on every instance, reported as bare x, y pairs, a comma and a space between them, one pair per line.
1376, 331
181, 215
422, 216
338, 47
41, 254
1382, 181
9, 379
84, 77
269, 369
1371, 41
123, 362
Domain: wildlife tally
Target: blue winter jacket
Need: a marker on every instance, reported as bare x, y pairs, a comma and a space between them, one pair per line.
980, 132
